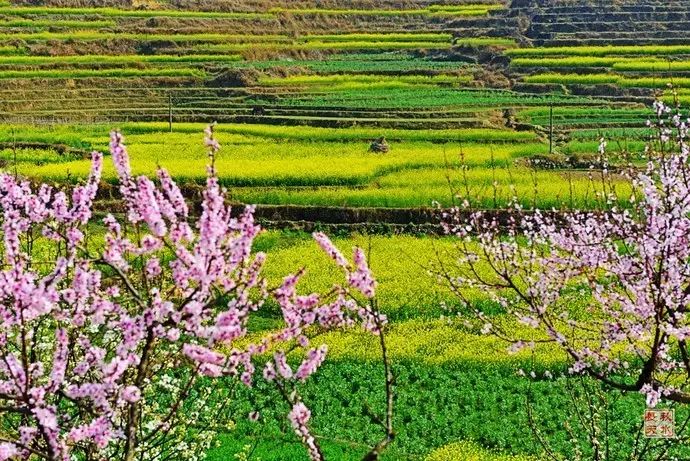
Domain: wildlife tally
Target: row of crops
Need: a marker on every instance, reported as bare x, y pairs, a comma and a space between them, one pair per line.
325, 167
623, 72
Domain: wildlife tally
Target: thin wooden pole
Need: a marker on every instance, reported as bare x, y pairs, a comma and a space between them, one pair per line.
551, 129
170, 111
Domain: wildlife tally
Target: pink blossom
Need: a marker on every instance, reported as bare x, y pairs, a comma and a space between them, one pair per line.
131, 394
7, 451
113, 327
311, 363
299, 417
330, 249
362, 278
626, 265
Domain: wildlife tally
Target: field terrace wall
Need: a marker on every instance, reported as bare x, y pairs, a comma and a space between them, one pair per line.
590, 22
254, 5
626, 50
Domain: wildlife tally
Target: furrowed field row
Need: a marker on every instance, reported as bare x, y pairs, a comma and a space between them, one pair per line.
11, 50
115, 59
49, 23
485, 41
101, 73
365, 67
60, 102
389, 37
600, 79
637, 134
224, 38
384, 73
216, 107
604, 111
341, 81
619, 64
346, 45
573, 116
602, 51
252, 47
272, 132
435, 10
426, 97
114, 12
464, 10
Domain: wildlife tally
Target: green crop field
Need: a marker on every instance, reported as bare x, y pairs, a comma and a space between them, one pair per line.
359, 118
327, 167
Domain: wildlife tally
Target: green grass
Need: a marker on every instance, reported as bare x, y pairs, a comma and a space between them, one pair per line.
345, 82
100, 73
45, 23
424, 97
604, 51
598, 79
114, 59
127, 13
438, 10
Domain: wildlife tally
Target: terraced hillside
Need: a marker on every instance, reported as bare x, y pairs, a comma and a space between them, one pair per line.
321, 80
589, 22
622, 51
224, 65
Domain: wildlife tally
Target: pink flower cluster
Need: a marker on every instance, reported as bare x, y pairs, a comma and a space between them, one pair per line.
626, 267
86, 337
299, 418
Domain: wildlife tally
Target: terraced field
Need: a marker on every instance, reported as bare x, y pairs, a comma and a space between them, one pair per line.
427, 73
489, 98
